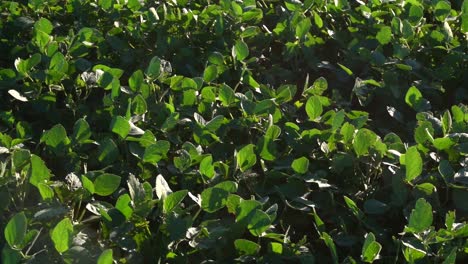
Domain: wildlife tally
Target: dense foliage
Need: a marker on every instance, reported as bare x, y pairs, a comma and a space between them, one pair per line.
273, 131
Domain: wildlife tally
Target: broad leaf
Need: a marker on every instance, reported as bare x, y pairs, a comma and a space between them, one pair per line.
120, 126
81, 131
246, 247
370, 249
39, 173
155, 152
413, 163
174, 199
384, 36
62, 235
363, 140
15, 230
246, 157
300, 165
106, 257
314, 107
421, 217
240, 51
105, 184
213, 199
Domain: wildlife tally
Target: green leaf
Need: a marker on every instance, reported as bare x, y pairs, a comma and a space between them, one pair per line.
464, 7
246, 157
106, 257
43, 25
81, 131
183, 161
331, 246
259, 222
189, 98
413, 163
216, 58
155, 152
214, 124
139, 105
58, 63
108, 151
363, 140
20, 157
293, 5
443, 143
62, 235
446, 122
226, 95
303, 27
208, 94
246, 247
56, 138
424, 132
285, 93
452, 257
320, 86
123, 204
415, 99
210, 73
446, 170
384, 36
206, 167
353, 207
136, 81
464, 23
415, 14
10, 256
106, 4
371, 248
404, 67
154, 68
134, 5
252, 15
173, 200
240, 51
46, 192
421, 216
120, 126
313, 108
87, 184
213, 199
276, 248
413, 250
15, 230
318, 20
237, 9
228, 186
264, 107
39, 173
105, 184
449, 219
347, 131
346, 69
442, 10
245, 211
338, 120
233, 202
300, 165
